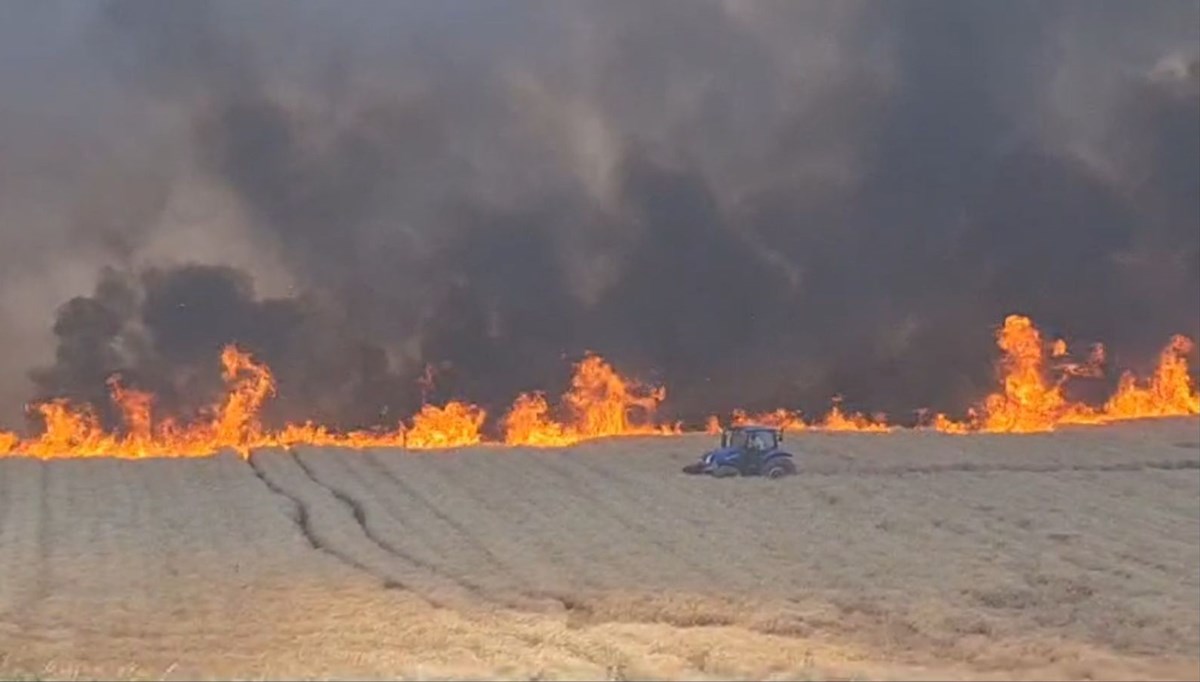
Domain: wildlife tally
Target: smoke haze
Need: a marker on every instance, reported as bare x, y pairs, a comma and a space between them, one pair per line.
755, 203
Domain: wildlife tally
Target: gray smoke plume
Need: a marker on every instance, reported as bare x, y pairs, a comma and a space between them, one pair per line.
755, 203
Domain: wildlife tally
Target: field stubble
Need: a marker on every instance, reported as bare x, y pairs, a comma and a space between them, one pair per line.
1066, 555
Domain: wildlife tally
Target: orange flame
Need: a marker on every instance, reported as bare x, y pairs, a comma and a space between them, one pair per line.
68, 430
136, 409
1031, 403
779, 419
252, 383
8, 442
1059, 348
945, 424
455, 425
1028, 401
528, 422
1169, 393
600, 403
712, 426
834, 420
73, 431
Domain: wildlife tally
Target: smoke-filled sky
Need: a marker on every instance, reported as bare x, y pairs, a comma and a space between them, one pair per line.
757, 203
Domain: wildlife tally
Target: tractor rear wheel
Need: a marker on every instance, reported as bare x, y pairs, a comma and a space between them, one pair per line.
725, 471
778, 468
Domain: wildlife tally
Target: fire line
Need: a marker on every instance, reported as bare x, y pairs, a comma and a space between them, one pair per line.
599, 403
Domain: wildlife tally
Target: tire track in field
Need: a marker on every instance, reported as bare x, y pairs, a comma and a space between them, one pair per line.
456, 529
536, 549
358, 507
612, 531
330, 524
302, 519
473, 544
359, 510
441, 568
615, 539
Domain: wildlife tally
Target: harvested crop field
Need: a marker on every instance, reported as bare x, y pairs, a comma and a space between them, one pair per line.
904, 555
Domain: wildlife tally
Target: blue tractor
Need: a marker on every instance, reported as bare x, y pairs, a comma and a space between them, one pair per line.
746, 451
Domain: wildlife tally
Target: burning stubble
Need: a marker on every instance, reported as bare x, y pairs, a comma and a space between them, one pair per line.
600, 403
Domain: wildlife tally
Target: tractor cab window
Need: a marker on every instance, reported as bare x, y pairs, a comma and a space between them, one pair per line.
734, 439
757, 440
762, 440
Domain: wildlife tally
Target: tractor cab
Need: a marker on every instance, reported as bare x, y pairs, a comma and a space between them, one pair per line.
759, 438
746, 450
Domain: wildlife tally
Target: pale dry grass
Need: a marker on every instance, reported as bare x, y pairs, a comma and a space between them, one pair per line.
913, 555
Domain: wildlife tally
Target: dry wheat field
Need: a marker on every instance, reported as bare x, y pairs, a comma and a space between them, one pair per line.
906, 555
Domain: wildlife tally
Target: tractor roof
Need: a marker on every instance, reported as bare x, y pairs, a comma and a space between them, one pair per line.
753, 427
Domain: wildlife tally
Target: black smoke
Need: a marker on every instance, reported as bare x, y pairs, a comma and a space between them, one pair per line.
163, 331
756, 204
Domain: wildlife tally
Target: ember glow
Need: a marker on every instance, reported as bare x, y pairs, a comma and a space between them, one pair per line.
600, 403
